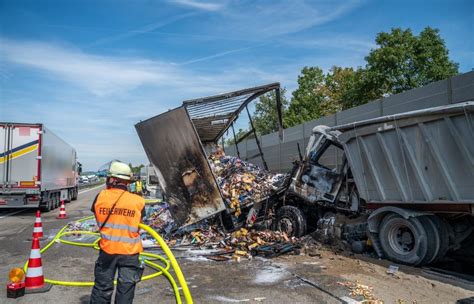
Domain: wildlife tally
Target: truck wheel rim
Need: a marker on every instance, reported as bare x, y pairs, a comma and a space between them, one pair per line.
286, 226
402, 239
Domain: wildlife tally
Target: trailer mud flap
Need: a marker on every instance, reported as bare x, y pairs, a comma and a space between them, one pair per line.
173, 148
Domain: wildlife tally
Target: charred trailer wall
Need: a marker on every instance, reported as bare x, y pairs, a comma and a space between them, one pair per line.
174, 149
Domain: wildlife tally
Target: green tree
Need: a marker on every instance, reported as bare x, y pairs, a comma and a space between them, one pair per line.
321, 94
404, 61
136, 170
401, 61
265, 118
306, 99
338, 90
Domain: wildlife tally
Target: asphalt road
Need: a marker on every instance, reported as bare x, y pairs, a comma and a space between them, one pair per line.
210, 282
286, 279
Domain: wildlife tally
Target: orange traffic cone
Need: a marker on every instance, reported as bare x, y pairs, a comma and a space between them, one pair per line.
62, 212
34, 282
38, 227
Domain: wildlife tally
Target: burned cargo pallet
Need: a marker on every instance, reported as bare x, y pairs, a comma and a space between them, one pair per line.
177, 143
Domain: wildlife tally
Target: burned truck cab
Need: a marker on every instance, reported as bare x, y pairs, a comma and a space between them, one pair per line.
321, 185
323, 176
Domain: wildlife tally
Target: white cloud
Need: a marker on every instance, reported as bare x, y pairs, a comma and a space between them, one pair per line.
346, 43
109, 94
98, 74
264, 19
94, 101
270, 19
105, 76
142, 30
220, 54
207, 6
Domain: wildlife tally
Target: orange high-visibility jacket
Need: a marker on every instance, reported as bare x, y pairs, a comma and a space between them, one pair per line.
120, 234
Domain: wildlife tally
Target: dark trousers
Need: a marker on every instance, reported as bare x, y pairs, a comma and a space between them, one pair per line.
128, 267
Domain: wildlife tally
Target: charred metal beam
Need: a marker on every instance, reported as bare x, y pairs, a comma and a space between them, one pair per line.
256, 139
235, 141
242, 106
226, 106
267, 87
245, 136
280, 118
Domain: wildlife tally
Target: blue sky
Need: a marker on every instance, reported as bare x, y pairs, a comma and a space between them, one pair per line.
90, 70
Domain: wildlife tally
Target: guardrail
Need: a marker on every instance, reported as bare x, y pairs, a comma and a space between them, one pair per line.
89, 185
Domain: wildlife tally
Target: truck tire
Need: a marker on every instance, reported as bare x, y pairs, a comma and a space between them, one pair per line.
407, 241
74, 194
433, 239
57, 200
443, 231
47, 207
291, 220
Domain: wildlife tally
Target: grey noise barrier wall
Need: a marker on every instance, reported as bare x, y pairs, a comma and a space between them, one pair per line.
280, 155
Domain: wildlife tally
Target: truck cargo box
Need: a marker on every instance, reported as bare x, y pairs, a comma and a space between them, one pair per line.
424, 156
176, 142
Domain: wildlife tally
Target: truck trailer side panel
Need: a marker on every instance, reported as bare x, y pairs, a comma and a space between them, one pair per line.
424, 156
58, 163
174, 149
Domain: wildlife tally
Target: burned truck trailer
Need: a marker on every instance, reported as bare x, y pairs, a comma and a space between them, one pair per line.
409, 176
37, 168
177, 143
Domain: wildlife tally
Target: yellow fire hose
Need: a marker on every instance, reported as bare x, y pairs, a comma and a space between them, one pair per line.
160, 269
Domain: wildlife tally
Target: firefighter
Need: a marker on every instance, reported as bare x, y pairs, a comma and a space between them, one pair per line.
118, 213
139, 187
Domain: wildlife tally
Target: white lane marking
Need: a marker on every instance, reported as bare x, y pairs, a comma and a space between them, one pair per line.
84, 191
12, 213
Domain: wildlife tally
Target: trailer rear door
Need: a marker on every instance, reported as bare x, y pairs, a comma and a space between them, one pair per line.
19, 146
3, 152
174, 149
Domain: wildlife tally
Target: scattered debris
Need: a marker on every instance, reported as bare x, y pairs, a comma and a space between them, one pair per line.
239, 244
361, 292
242, 183
309, 246
270, 251
392, 269
159, 218
89, 225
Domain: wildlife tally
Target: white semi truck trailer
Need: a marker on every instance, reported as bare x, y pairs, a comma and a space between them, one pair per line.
37, 168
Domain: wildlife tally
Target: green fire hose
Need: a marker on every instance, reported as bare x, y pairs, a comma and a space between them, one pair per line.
160, 269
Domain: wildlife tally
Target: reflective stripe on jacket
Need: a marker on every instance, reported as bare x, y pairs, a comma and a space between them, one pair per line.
120, 234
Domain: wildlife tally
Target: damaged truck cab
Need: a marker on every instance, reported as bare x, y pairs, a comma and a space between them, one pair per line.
408, 178
319, 179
